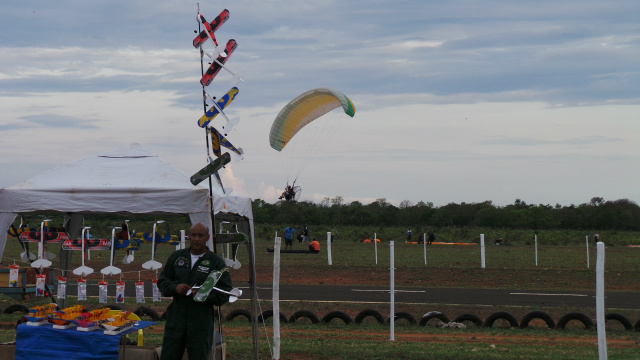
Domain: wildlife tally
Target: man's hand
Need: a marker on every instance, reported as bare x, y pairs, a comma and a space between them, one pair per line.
182, 289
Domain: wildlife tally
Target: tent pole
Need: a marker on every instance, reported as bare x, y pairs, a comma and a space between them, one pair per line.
253, 290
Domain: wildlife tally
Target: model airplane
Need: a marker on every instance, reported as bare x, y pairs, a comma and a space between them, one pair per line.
221, 104
165, 239
91, 320
63, 318
210, 169
234, 293
218, 63
117, 323
210, 29
217, 141
230, 123
39, 315
26, 255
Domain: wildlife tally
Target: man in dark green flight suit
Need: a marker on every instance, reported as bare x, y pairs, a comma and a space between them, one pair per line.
190, 324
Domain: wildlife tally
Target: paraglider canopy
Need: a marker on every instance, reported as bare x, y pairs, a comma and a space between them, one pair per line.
304, 109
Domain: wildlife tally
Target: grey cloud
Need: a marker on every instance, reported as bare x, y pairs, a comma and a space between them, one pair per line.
59, 121
527, 141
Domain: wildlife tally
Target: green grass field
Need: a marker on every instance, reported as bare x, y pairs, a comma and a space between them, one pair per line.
561, 265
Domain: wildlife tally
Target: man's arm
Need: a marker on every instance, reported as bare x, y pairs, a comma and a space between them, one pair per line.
166, 282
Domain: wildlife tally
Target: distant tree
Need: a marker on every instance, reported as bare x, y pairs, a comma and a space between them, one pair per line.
336, 210
405, 204
423, 204
325, 202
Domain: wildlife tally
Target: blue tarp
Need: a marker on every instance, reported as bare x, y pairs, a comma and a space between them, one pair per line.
46, 343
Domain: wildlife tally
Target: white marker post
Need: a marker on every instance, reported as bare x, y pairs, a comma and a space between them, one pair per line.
392, 292
375, 245
276, 298
600, 321
329, 248
424, 245
482, 251
587, 240
535, 242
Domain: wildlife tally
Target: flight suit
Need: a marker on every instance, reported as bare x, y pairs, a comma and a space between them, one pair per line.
190, 323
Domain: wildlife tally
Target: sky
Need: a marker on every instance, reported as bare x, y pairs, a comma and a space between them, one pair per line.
456, 101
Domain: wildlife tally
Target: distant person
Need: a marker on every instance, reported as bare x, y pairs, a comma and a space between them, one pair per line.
431, 238
305, 235
597, 238
409, 233
314, 246
288, 237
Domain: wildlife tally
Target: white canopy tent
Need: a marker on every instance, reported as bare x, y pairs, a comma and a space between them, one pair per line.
129, 179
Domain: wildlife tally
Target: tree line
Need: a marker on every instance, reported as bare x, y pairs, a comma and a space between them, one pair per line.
622, 214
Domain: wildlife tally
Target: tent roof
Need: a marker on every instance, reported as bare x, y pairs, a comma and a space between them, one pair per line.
129, 179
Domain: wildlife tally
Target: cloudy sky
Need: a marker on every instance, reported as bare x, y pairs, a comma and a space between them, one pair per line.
457, 101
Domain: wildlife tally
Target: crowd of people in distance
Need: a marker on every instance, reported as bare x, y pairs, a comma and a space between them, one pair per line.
429, 238
302, 237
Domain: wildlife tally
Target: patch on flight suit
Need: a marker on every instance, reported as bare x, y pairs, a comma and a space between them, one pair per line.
203, 269
205, 262
182, 262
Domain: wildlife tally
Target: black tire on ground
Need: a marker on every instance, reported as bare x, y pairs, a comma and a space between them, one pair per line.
433, 315
337, 314
238, 312
269, 313
584, 319
163, 317
146, 311
637, 327
16, 307
501, 315
403, 315
304, 313
469, 317
537, 314
623, 320
115, 307
369, 312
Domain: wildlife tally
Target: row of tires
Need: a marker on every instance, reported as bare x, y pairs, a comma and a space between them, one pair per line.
427, 318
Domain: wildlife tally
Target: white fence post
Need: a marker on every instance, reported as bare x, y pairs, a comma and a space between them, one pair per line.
587, 241
600, 321
375, 245
482, 251
424, 245
392, 292
329, 248
276, 298
535, 241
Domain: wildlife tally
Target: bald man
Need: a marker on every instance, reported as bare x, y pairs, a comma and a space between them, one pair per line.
190, 324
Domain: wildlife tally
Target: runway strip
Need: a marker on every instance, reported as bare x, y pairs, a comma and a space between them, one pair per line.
540, 294
398, 291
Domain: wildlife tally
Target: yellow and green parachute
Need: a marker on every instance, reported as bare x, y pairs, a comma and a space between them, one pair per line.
304, 109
